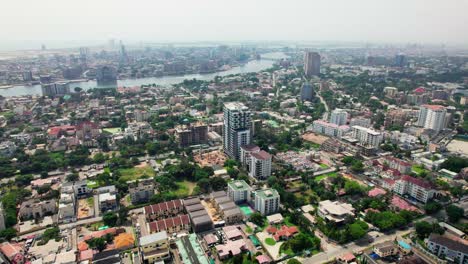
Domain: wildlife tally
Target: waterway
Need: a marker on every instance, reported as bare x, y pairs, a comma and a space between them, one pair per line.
268, 59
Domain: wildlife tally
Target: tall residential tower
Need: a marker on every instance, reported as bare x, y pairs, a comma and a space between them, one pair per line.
236, 132
311, 64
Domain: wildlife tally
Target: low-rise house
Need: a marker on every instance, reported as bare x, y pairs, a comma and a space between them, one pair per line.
335, 211
108, 202
155, 247
13, 252
35, 209
386, 249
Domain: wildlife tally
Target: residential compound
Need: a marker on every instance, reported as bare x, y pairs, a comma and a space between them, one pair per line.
432, 117
266, 201
236, 132
260, 165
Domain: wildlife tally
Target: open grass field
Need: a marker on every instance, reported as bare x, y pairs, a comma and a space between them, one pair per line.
321, 177
185, 188
136, 173
270, 241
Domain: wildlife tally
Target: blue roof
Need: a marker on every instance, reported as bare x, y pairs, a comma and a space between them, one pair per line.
404, 245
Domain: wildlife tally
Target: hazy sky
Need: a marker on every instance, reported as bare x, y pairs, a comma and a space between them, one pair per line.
25, 23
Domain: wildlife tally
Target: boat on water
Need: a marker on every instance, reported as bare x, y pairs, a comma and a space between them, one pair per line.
6, 86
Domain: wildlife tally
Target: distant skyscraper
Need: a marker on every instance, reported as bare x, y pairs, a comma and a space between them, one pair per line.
43, 47
400, 60
236, 132
339, 117
432, 117
27, 76
123, 54
106, 76
311, 64
55, 89
307, 92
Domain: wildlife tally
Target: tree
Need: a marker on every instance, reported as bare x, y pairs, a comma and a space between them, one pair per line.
294, 261
432, 207
454, 213
352, 187
423, 229
356, 231
455, 163
72, 177
204, 185
99, 158
218, 183
257, 219
110, 219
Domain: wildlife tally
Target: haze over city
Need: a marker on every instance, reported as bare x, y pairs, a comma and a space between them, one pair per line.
27, 24
234, 132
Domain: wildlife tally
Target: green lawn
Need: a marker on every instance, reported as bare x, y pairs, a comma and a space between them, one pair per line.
321, 177
92, 184
270, 241
90, 202
135, 173
185, 188
112, 130
324, 166
418, 169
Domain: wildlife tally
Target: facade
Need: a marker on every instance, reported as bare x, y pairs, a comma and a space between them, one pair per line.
239, 191
432, 117
390, 91
260, 165
192, 134
367, 136
155, 247
267, 201
360, 121
311, 64
451, 248
2, 217
236, 132
335, 211
141, 115
395, 118
415, 188
398, 164
307, 92
141, 191
339, 117
108, 202
245, 154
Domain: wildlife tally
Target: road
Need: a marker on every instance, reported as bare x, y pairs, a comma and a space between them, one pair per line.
335, 252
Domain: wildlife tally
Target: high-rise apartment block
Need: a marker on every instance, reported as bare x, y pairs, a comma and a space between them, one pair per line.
236, 133
339, 117
432, 117
267, 201
367, 137
311, 64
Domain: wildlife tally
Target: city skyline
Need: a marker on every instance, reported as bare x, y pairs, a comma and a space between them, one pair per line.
50, 22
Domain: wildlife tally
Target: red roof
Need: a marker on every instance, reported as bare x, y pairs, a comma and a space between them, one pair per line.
399, 161
86, 123
420, 90
101, 233
434, 107
261, 155
402, 204
417, 181
56, 130
285, 231
165, 224
156, 208
376, 192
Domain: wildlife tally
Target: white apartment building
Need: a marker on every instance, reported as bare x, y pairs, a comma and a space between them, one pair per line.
260, 165
239, 191
338, 117
367, 136
266, 201
432, 117
415, 188
329, 129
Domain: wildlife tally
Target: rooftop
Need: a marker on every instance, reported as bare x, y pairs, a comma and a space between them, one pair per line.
149, 239
238, 185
